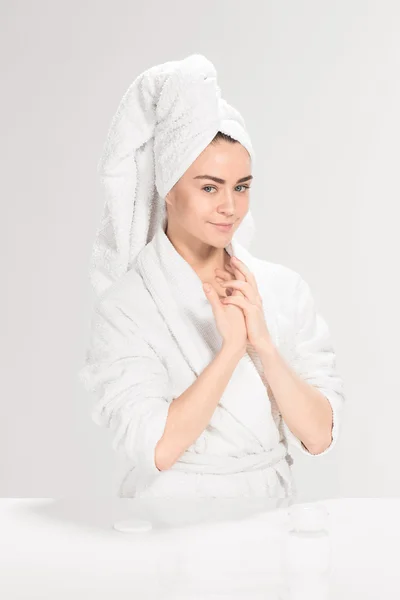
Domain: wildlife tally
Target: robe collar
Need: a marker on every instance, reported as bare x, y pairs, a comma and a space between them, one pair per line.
185, 283
178, 292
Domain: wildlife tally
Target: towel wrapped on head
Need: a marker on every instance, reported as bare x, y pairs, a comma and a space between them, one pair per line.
166, 118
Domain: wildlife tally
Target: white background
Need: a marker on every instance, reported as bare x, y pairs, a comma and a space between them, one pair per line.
318, 86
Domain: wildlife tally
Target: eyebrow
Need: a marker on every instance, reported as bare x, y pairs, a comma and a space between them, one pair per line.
219, 180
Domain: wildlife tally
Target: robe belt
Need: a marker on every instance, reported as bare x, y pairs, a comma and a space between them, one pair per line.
223, 465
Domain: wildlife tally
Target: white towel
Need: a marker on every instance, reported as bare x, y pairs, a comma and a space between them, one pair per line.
166, 118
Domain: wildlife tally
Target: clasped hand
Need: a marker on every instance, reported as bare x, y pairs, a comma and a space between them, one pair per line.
249, 300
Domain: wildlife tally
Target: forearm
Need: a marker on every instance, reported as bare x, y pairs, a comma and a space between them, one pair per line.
191, 412
304, 408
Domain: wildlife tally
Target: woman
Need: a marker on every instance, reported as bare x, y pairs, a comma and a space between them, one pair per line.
206, 361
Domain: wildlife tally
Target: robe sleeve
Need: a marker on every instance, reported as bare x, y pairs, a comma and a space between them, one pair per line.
313, 358
130, 385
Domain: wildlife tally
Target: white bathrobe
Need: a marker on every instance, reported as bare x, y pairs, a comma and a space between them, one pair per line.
153, 333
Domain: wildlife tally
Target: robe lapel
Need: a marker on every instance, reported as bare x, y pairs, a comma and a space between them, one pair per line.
246, 397
191, 344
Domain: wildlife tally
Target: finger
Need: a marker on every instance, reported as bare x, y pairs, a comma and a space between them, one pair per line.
226, 276
213, 298
237, 300
227, 270
226, 273
244, 286
229, 267
244, 270
237, 272
222, 275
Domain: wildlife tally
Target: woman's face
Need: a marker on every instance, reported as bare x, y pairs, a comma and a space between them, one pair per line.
197, 201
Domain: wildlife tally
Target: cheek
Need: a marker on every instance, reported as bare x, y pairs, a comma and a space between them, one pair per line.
243, 206
197, 208
192, 211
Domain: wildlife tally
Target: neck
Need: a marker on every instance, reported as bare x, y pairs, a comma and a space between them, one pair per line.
202, 257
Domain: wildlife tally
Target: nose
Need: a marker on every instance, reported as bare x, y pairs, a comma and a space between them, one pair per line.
228, 205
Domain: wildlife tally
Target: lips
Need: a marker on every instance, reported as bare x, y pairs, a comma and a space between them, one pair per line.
223, 227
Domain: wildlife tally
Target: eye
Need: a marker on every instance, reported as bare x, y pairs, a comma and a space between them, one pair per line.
246, 187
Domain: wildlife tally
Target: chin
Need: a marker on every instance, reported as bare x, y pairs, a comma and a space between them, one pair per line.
219, 238
221, 241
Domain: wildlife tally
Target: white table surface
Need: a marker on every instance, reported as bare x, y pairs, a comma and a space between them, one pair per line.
67, 548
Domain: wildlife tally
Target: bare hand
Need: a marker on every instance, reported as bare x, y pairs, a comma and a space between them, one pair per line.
230, 320
249, 300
